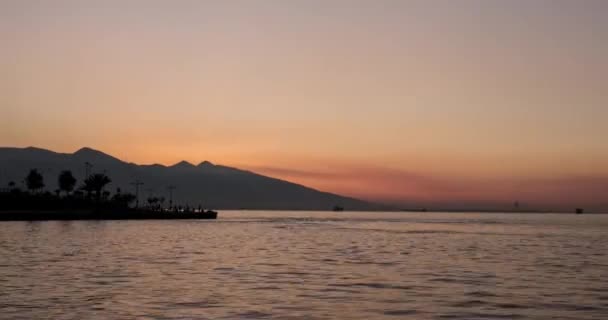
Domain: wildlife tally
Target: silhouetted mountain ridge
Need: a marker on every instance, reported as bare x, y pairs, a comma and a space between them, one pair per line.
94, 155
213, 185
183, 165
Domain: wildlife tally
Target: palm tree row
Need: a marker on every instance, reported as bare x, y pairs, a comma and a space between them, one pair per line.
90, 193
93, 184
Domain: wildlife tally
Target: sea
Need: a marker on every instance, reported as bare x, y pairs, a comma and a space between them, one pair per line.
309, 265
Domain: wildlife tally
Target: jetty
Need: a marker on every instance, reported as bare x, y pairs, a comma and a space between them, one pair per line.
94, 214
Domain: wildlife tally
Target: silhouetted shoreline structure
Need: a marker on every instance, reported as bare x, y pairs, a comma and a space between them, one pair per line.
88, 202
222, 187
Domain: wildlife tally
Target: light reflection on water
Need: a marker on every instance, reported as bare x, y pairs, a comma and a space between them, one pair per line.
305, 265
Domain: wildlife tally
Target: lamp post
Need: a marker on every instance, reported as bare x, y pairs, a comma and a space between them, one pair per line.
87, 169
137, 183
171, 188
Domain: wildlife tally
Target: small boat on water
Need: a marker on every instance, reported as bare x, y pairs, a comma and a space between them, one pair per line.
106, 214
579, 211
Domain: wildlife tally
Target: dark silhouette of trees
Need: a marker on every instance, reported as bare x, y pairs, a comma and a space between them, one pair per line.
123, 199
152, 201
35, 199
36, 203
96, 183
66, 181
12, 186
86, 187
34, 180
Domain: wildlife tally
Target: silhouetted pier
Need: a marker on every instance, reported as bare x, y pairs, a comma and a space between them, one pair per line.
125, 214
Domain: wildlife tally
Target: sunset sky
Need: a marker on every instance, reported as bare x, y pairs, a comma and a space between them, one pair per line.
410, 102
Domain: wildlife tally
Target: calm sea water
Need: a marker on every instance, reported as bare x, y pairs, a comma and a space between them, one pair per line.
305, 265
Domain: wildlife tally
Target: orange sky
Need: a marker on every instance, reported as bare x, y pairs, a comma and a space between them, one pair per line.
407, 101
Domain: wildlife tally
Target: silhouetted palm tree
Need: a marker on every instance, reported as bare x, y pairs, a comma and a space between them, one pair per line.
152, 201
66, 181
96, 183
34, 180
123, 199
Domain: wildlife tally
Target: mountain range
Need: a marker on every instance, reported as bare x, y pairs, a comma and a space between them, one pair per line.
213, 186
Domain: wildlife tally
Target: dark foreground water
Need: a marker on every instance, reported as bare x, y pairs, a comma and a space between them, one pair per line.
286, 265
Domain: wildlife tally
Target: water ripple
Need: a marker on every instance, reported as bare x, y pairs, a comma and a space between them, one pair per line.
302, 265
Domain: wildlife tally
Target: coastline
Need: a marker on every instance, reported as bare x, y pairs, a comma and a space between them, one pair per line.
93, 214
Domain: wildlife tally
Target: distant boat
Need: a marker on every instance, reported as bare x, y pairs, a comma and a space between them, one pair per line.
338, 208
580, 211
